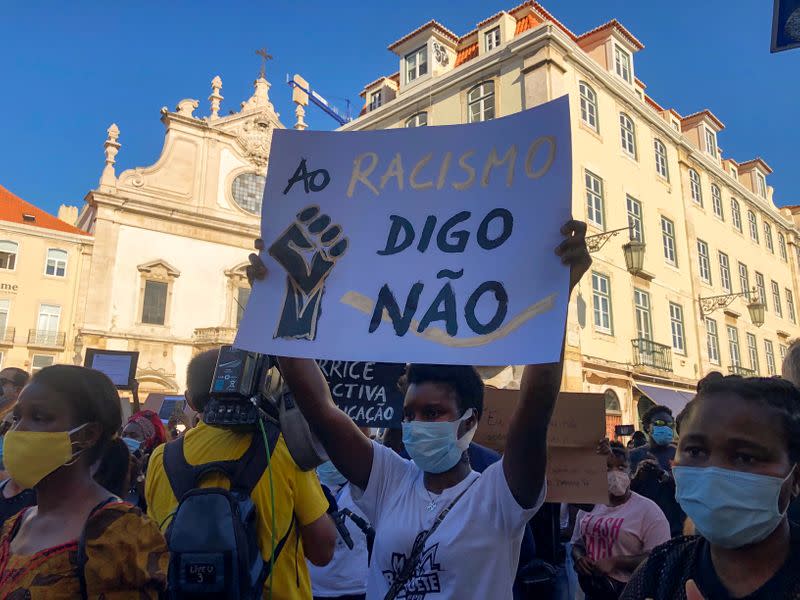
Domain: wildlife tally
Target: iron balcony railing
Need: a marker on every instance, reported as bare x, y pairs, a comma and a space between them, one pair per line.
650, 354
743, 371
46, 338
7, 335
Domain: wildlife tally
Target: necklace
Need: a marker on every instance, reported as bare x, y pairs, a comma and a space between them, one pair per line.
432, 504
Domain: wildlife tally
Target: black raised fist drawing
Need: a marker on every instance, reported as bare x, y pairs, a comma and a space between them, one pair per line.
308, 251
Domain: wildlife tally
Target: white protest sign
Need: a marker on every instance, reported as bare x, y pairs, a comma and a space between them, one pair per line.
430, 244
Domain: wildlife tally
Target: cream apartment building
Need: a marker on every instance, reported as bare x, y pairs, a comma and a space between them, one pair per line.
709, 226
41, 258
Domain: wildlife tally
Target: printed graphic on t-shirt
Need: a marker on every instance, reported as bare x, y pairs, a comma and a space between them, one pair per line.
425, 579
600, 534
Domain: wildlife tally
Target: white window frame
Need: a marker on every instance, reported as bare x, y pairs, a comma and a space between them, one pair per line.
491, 39
752, 224
768, 237
782, 247
595, 203
761, 184
15, 254
712, 341
761, 288
56, 263
677, 328
486, 109
35, 368
776, 298
623, 64
711, 142
668, 241
733, 346
627, 134
375, 100
695, 187
642, 314
5, 311
783, 349
752, 352
601, 303
415, 119
418, 61
736, 215
588, 102
769, 353
716, 202
704, 261
744, 278
662, 164
725, 271
635, 219
790, 305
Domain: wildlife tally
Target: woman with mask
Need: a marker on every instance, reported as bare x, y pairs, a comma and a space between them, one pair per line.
143, 433
613, 539
443, 531
345, 577
736, 473
79, 541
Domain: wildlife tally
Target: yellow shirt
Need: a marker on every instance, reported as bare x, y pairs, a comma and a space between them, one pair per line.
296, 493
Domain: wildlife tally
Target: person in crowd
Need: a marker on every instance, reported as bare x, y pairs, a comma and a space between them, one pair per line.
142, 434
12, 380
656, 484
638, 439
113, 470
441, 527
64, 420
13, 499
736, 472
611, 540
345, 577
298, 499
659, 424
791, 371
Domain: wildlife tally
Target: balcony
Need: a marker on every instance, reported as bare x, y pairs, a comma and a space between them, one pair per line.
44, 338
648, 353
740, 370
215, 336
7, 336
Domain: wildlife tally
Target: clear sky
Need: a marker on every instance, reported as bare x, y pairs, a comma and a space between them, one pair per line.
69, 69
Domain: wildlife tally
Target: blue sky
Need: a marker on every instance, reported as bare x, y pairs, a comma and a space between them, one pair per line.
68, 70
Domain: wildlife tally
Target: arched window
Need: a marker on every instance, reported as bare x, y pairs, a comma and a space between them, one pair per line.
8, 254
480, 102
588, 105
782, 246
418, 120
716, 201
694, 187
753, 223
662, 167
627, 134
612, 402
56, 265
736, 215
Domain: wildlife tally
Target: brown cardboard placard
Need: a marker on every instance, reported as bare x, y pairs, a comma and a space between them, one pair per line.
577, 476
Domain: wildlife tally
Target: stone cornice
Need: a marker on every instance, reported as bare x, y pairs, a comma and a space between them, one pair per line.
48, 234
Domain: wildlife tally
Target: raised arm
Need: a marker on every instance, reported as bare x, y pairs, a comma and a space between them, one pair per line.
348, 448
525, 459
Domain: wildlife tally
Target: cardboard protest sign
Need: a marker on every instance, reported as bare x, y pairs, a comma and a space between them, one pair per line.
575, 472
366, 391
428, 244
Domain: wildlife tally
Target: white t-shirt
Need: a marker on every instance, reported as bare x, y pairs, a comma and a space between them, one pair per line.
346, 574
473, 553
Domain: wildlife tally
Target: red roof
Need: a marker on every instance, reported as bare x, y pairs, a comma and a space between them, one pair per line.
614, 24
756, 162
709, 114
435, 25
467, 53
15, 210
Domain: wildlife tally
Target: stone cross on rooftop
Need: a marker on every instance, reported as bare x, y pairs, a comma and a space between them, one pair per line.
264, 58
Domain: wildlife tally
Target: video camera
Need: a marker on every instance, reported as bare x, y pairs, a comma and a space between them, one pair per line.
248, 387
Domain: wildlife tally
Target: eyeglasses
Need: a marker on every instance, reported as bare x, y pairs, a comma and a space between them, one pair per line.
662, 423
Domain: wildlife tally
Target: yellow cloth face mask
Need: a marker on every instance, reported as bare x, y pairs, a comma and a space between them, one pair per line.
30, 456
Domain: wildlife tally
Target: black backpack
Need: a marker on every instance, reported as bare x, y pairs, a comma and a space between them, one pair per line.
214, 551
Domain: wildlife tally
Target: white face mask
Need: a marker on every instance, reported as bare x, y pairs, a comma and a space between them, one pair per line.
618, 483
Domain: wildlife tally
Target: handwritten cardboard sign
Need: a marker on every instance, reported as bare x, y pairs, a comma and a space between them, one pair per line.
427, 244
575, 473
366, 391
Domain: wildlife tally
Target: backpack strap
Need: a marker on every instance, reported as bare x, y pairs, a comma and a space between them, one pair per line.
82, 559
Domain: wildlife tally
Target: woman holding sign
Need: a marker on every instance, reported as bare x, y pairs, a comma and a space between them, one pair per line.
443, 531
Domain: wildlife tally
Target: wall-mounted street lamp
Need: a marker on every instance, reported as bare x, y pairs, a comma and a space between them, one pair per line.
633, 250
755, 307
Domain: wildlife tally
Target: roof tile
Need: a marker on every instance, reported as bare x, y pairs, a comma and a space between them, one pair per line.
12, 209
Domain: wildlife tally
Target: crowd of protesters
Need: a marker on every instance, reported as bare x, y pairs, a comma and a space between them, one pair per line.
420, 513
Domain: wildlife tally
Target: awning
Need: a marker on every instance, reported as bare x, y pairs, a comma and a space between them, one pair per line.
674, 399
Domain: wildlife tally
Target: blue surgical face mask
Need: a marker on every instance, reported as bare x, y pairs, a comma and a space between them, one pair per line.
662, 435
434, 446
729, 508
329, 475
132, 444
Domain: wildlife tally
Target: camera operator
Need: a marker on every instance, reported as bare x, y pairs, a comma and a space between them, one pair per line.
299, 503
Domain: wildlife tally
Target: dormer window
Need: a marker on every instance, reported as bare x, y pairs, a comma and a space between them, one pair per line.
416, 64
733, 173
711, 142
761, 185
622, 64
676, 126
492, 38
375, 100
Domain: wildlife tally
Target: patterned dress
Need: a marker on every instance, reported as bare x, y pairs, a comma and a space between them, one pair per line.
126, 558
